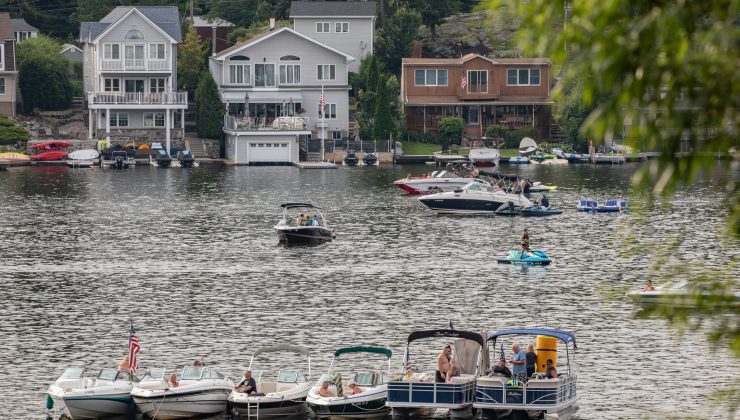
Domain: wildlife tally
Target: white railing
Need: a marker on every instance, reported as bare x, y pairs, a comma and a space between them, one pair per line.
157, 65
240, 123
138, 98
135, 64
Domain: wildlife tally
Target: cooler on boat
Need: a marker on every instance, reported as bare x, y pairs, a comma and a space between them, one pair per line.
546, 348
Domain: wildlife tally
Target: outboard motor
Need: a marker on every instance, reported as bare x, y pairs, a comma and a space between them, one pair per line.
119, 162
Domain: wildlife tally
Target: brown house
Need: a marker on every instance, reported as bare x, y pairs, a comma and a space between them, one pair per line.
8, 71
511, 92
215, 29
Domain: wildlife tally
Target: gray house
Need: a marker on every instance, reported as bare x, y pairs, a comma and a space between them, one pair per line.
22, 30
130, 74
347, 26
271, 86
71, 53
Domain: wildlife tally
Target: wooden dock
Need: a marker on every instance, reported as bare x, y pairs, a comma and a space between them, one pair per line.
316, 165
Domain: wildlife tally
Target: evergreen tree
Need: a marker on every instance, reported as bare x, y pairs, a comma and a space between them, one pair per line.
43, 74
190, 62
434, 11
371, 86
397, 39
209, 115
383, 125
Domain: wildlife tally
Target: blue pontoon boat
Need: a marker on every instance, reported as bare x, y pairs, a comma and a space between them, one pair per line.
611, 206
497, 395
419, 391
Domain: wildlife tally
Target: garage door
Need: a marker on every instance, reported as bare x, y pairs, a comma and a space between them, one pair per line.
269, 151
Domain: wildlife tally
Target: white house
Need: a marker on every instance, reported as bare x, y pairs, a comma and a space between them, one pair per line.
130, 74
348, 26
22, 30
271, 87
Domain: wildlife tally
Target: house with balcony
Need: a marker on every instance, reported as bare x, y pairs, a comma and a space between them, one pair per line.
8, 70
511, 92
130, 75
22, 30
271, 87
348, 26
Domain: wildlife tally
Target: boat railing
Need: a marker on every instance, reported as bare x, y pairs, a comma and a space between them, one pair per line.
431, 394
535, 394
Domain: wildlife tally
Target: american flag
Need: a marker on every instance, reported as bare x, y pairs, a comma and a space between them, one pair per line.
463, 82
133, 349
322, 103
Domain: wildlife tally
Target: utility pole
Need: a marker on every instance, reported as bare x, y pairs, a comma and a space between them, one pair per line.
191, 12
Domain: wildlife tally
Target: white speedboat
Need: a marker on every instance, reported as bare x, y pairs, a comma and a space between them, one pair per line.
284, 395
473, 199
435, 182
83, 158
342, 403
484, 157
81, 397
680, 294
199, 391
303, 223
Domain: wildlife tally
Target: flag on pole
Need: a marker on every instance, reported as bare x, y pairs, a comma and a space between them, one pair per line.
463, 81
133, 349
322, 104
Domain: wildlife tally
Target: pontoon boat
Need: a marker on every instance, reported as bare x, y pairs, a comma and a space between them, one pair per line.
303, 223
80, 397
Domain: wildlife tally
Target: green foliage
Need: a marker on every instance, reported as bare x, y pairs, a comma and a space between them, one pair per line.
433, 11
451, 129
419, 137
383, 124
209, 115
396, 40
511, 137
371, 83
77, 71
191, 62
44, 74
11, 133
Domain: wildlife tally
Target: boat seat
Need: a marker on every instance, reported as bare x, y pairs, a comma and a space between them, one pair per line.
420, 377
463, 379
543, 383
493, 380
282, 387
266, 387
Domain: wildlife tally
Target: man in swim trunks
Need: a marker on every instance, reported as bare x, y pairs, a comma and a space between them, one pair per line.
443, 364
525, 243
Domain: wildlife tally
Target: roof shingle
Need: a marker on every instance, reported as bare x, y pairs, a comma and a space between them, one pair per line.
20, 25
166, 17
332, 8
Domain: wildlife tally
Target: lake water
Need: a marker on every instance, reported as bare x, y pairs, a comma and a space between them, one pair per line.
191, 257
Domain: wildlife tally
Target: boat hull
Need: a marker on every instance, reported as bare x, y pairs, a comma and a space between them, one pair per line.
535, 258
170, 405
371, 404
304, 235
424, 185
270, 407
98, 406
453, 206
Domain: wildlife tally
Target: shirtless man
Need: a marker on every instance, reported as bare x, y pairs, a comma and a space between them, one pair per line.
443, 364
324, 390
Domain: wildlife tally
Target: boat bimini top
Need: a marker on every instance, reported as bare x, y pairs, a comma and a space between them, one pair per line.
467, 357
566, 337
296, 205
363, 349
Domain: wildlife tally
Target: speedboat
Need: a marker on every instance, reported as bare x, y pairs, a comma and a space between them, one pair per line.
163, 160
186, 159
538, 397
370, 159
417, 391
83, 158
484, 157
370, 402
50, 156
570, 157
475, 198
304, 228
118, 157
539, 211
199, 391
527, 147
535, 257
519, 160
680, 294
350, 158
81, 397
437, 181
610, 206
283, 395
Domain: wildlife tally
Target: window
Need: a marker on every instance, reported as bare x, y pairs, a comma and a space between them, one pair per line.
134, 34
523, 77
477, 81
268, 145
2, 57
430, 77
154, 119
471, 115
252, 144
156, 51
341, 27
336, 135
2, 86
133, 85
134, 55
119, 119
264, 75
322, 27
239, 74
327, 72
261, 145
112, 52
284, 144
289, 58
156, 85
330, 109
290, 74
112, 85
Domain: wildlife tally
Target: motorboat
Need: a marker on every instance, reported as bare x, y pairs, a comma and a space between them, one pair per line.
163, 160
51, 155
186, 159
593, 205
681, 294
84, 158
484, 157
14, 159
350, 158
538, 397
79, 396
438, 181
370, 159
118, 157
418, 391
303, 223
199, 391
540, 211
534, 257
518, 160
475, 198
342, 402
527, 147
570, 157
282, 395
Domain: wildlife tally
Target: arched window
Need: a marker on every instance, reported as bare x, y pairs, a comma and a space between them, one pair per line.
289, 58
134, 34
239, 58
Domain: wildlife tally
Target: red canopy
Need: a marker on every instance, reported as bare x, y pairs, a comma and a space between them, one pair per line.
51, 145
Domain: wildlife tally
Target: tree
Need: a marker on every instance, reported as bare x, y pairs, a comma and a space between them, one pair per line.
43, 74
396, 40
434, 11
240, 13
383, 124
209, 114
371, 86
191, 62
451, 129
11, 133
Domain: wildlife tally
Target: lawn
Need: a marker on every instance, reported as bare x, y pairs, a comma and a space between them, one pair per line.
411, 148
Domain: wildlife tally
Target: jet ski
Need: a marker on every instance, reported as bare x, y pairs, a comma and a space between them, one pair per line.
535, 257
540, 211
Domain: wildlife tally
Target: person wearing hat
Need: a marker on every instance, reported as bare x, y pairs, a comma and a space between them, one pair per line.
354, 388
501, 370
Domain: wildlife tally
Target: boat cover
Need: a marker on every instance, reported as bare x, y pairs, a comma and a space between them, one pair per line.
474, 336
363, 349
566, 336
467, 355
282, 347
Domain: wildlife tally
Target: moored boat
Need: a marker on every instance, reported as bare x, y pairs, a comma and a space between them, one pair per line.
534, 257
51, 155
118, 157
476, 198
81, 397
370, 159
14, 159
303, 228
350, 158
519, 160
186, 159
163, 160
435, 181
84, 158
484, 157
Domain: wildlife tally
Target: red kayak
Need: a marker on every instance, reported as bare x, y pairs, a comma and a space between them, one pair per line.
51, 145
52, 155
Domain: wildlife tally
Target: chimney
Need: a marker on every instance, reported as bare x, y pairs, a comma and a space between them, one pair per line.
272, 23
213, 43
416, 53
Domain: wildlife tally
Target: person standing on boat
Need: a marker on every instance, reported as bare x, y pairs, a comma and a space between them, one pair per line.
524, 240
518, 364
531, 360
443, 364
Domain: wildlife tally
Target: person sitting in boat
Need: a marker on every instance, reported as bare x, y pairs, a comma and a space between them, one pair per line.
649, 286
354, 388
315, 220
525, 243
299, 220
247, 384
324, 390
443, 364
501, 370
173, 380
123, 366
551, 372
545, 201
454, 371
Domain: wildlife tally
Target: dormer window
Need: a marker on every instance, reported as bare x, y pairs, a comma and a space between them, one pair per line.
323, 27
239, 58
134, 34
289, 58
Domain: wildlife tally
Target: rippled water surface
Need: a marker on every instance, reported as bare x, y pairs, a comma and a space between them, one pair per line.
191, 256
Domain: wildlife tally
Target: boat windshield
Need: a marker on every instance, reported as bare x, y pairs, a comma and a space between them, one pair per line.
108, 374
475, 186
156, 374
193, 373
73, 373
290, 376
